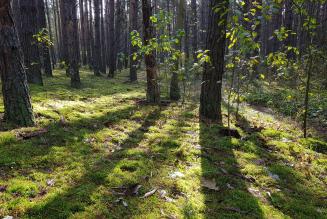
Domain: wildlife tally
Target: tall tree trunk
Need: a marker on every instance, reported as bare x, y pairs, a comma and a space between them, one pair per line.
82, 23
174, 83
30, 49
211, 94
153, 93
15, 5
288, 23
52, 51
103, 41
17, 103
91, 35
97, 41
57, 29
64, 34
203, 22
118, 34
45, 52
194, 28
133, 16
73, 42
87, 34
111, 40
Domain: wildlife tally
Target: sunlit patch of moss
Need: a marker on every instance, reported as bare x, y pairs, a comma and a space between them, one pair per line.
7, 138
277, 134
314, 144
102, 137
23, 188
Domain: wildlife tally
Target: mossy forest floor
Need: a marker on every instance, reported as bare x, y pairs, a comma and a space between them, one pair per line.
101, 152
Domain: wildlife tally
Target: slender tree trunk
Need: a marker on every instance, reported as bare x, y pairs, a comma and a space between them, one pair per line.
30, 49
288, 23
133, 16
97, 41
87, 34
194, 29
153, 93
103, 41
73, 42
174, 84
91, 35
111, 40
82, 23
45, 52
118, 34
57, 29
17, 103
52, 51
64, 34
211, 93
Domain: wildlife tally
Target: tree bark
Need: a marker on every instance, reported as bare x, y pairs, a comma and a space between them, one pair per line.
64, 34
97, 41
91, 36
73, 42
211, 94
30, 48
17, 103
133, 16
174, 83
87, 35
194, 29
111, 40
118, 34
45, 52
52, 51
82, 23
153, 93
103, 41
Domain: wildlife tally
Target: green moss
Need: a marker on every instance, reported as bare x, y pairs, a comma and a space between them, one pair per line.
314, 144
102, 140
24, 188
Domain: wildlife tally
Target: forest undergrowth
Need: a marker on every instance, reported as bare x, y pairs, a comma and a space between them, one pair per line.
102, 152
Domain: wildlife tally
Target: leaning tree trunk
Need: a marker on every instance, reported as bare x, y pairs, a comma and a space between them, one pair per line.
73, 42
30, 49
153, 93
17, 103
133, 49
45, 49
211, 96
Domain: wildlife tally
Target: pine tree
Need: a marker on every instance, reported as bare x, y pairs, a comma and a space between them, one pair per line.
97, 40
211, 94
73, 42
17, 103
153, 93
42, 26
133, 16
29, 29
